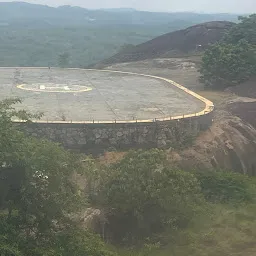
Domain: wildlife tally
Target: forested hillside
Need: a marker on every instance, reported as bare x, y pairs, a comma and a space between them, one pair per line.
36, 35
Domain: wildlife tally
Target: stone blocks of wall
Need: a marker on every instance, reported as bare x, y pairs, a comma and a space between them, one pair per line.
100, 136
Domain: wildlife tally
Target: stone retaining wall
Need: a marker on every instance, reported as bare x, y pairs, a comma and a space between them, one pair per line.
102, 136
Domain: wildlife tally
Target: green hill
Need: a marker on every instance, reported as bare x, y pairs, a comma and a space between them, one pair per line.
35, 35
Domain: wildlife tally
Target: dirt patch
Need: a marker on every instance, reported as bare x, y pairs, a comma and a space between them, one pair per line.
111, 157
230, 144
181, 70
244, 110
247, 89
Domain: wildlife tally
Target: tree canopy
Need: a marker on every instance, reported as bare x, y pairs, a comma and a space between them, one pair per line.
233, 60
143, 196
37, 194
245, 29
228, 64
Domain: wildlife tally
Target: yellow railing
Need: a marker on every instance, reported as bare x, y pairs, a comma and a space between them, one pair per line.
209, 106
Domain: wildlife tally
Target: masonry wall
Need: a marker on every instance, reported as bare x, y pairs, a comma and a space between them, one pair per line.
99, 137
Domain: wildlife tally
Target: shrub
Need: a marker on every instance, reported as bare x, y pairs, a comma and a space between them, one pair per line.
232, 61
225, 186
144, 197
225, 65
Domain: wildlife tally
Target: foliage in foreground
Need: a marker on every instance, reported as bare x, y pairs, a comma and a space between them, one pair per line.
143, 196
224, 231
233, 60
226, 227
37, 194
225, 187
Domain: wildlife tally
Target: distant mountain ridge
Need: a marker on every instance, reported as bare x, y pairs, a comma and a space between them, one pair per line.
16, 12
35, 35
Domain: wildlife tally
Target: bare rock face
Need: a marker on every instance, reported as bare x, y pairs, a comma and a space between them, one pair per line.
230, 144
192, 39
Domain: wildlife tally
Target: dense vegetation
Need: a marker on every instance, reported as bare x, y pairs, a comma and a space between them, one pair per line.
35, 35
147, 207
37, 195
26, 46
232, 61
143, 196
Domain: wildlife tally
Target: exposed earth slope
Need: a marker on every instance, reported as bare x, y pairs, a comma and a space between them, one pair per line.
176, 43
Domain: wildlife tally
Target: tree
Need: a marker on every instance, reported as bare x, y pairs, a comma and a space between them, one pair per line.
144, 197
246, 30
38, 194
225, 65
233, 60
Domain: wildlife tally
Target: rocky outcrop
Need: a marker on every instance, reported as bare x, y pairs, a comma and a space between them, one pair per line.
229, 144
192, 39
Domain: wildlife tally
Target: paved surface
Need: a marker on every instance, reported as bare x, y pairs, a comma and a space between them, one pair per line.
83, 95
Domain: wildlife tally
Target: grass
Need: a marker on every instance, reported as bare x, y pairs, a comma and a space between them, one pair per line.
224, 231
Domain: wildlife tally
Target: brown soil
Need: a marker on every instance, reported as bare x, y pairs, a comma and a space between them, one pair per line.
247, 89
182, 70
245, 110
230, 144
179, 43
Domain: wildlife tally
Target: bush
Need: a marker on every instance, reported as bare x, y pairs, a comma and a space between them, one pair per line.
144, 197
226, 65
37, 194
225, 187
232, 61
78, 242
246, 30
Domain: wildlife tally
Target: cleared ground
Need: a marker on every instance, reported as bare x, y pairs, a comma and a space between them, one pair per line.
181, 70
84, 95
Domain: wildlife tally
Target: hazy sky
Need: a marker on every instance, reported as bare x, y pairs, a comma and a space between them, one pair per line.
226, 6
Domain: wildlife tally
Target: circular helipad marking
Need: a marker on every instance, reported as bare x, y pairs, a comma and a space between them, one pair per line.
52, 87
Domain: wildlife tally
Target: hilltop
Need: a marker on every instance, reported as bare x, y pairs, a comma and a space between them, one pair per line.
20, 13
182, 42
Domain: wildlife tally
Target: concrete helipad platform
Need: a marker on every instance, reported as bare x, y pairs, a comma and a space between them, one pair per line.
85, 95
